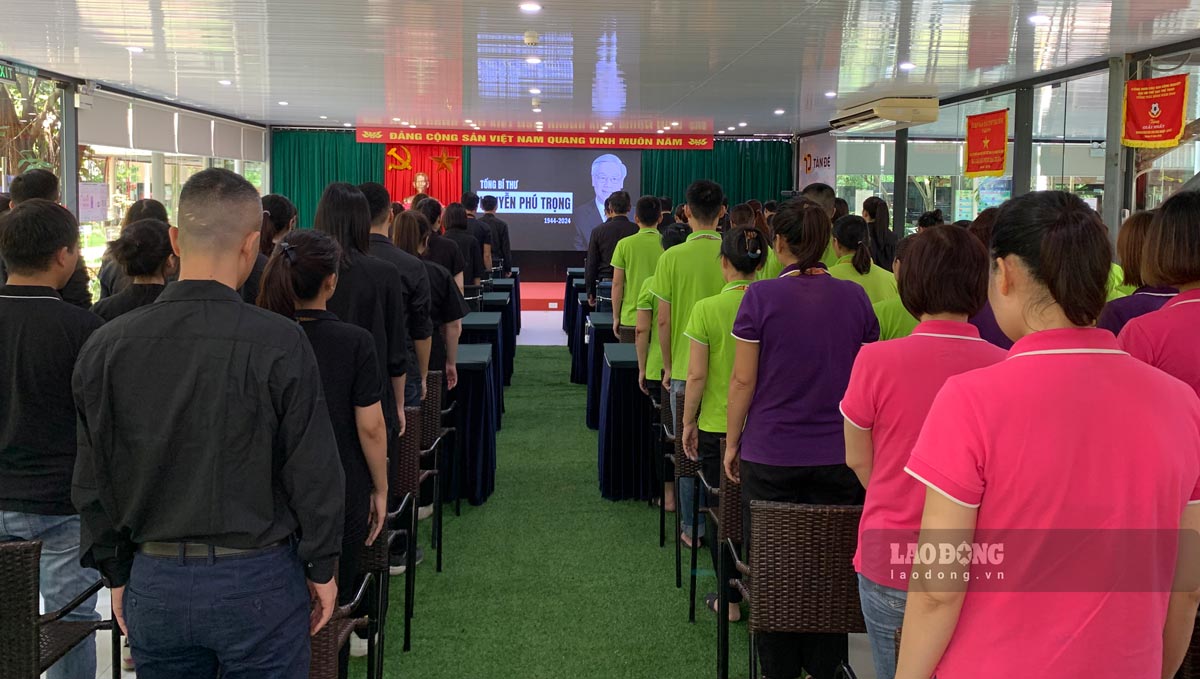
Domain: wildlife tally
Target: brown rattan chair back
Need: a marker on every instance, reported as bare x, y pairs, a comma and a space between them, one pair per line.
405, 475
431, 409
19, 649
683, 466
729, 508
802, 575
627, 335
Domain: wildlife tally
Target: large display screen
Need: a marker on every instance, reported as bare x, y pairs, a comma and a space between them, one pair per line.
553, 198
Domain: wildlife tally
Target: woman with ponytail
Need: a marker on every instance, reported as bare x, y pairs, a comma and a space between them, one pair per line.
743, 252
300, 277
851, 242
796, 339
883, 241
279, 218
1069, 433
144, 257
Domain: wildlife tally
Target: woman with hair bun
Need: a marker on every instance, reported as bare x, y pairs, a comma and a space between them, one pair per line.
1091, 455
144, 256
743, 252
851, 242
928, 219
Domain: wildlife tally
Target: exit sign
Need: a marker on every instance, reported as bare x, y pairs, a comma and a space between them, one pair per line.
7, 73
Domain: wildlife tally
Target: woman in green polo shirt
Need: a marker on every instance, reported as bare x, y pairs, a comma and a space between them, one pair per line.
710, 328
852, 244
894, 320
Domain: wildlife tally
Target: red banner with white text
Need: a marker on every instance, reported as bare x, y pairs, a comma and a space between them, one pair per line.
435, 170
1155, 112
563, 140
986, 150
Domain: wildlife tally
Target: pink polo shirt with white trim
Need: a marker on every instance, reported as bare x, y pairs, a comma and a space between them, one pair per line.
892, 386
1068, 433
1169, 339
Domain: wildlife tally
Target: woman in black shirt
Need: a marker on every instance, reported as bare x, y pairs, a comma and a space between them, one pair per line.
112, 277
143, 254
455, 221
300, 278
439, 248
411, 232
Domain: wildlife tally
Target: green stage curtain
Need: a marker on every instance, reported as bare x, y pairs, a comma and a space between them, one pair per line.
304, 162
745, 169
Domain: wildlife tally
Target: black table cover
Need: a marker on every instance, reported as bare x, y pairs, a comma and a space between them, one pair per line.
481, 327
579, 354
473, 474
502, 303
599, 334
627, 446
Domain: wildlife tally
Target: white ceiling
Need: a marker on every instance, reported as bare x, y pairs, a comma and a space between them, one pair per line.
441, 63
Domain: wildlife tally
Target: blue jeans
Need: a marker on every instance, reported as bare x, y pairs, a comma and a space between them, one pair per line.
246, 616
883, 610
687, 486
62, 579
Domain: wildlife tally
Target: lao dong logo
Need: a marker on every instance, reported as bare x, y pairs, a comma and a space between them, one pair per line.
946, 554
812, 163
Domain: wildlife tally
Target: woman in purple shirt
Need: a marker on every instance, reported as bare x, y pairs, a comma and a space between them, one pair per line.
985, 320
798, 336
1131, 242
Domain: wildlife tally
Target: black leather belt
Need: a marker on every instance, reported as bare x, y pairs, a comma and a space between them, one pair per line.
198, 550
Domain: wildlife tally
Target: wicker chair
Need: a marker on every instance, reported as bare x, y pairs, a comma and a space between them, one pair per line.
801, 577
626, 335
725, 509
404, 486
684, 468
432, 437
328, 643
30, 643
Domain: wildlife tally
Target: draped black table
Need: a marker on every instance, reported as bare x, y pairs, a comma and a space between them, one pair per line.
482, 327
502, 303
627, 448
599, 334
515, 277
477, 417
578, 339
573, 274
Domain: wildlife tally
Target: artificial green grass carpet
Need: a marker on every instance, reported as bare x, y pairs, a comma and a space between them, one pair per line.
548, 579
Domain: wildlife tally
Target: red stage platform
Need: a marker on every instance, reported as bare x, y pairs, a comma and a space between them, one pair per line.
541, 296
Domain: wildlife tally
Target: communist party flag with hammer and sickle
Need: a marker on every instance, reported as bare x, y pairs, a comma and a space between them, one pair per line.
441, 167
986, 150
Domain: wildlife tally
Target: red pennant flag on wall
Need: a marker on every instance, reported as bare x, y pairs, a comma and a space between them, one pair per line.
986, 150
1155, 112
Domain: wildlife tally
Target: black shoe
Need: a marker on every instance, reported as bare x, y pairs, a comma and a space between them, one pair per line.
399, 562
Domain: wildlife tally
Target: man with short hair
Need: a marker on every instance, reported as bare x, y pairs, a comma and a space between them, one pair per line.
685, 275
826, 197
603, 243
633, 261
470, 202
208, 475
414, 282
501, 246
43, 184
40, 337
769, 209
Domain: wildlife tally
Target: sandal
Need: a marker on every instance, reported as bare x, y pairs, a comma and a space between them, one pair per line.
713, 602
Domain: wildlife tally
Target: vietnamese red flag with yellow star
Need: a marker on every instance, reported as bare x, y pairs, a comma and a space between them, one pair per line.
986, 151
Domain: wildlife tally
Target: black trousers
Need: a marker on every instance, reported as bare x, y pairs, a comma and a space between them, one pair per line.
712, 462
784, 655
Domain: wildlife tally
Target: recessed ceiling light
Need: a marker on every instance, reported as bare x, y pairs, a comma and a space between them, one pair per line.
347, 125
538, 123
226, 83
534, 90
468, 121
609, 124
661, 131
530, 7
283, 103
830, 94
779, 111
403, 122
134, 49
395, 120
741, 124
675, 124
731, 128
324, 117
537, 110
907, 66
413, 126
1039, 20
533, 60
720, 131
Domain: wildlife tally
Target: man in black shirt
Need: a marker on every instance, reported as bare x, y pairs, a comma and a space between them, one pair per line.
604, 241
440, 249
501, 246
665, 205
44, 184
208, 476
455, 221
413, 280
470, 201
40, 336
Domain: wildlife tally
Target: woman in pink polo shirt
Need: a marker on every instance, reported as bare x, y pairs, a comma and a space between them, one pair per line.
1167, 338
1056, 481
943, 282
